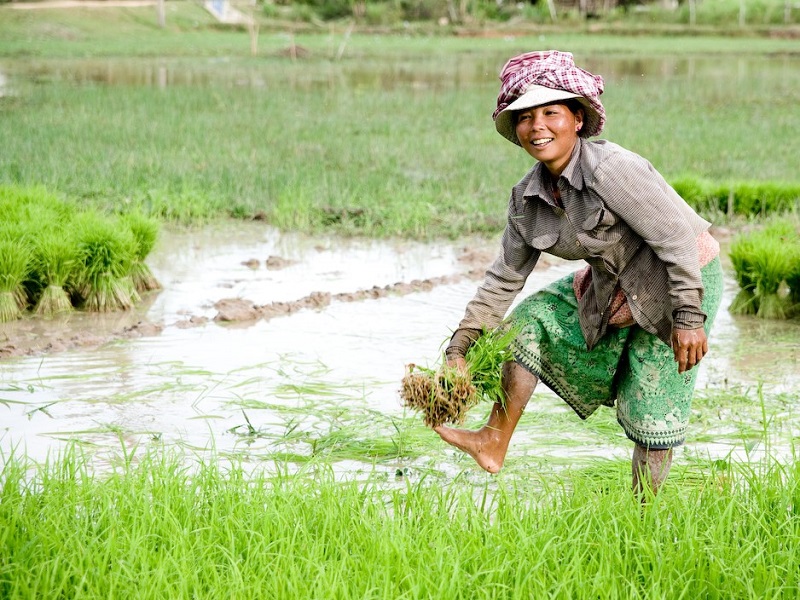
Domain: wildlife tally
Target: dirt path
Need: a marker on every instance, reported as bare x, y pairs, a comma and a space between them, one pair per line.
81, 4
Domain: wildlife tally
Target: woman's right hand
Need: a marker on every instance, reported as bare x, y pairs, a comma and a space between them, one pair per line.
457, 362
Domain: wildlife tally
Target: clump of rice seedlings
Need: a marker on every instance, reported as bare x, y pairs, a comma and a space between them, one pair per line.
14, 269
772, 264
764, 260
55, 257
145, 233
106, 250
445, 395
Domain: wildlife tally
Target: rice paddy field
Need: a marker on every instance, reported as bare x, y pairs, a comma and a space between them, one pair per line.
356, 188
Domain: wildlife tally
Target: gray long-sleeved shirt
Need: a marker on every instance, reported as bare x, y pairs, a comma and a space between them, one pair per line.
619, 215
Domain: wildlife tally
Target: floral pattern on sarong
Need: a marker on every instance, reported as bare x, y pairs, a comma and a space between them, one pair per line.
630, 368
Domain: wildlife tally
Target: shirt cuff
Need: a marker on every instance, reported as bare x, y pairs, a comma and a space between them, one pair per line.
460, 342
688, 319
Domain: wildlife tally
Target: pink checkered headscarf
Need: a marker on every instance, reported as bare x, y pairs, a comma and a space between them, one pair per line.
555, 70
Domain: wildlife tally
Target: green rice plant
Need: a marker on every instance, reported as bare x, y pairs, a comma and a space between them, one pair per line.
763, 261
445, 394
793, 277
54, 258
741, 253
145, 233
762, 198
33, 204
772, 264
426, 191
106, 250
14, 270
161, 525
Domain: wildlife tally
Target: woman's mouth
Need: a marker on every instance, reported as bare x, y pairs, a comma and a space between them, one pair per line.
541, 142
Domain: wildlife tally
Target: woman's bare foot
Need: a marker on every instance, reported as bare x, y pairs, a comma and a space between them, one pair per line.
486, 446
489, 444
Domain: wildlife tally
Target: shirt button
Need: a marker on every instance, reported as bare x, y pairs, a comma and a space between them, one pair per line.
634, 297
577, 242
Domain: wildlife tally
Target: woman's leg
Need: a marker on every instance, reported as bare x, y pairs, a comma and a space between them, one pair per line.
649, 468
489, 444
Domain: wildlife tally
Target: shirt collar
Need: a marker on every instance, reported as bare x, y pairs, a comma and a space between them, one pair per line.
573, 171
538, 183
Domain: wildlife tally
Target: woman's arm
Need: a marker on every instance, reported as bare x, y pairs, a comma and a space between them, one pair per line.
502, 282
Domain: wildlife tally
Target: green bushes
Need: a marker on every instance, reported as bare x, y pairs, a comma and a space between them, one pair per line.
767, 267
54, 257
747, 198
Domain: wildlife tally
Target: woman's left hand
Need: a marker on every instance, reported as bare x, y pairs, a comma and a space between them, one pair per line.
689, 346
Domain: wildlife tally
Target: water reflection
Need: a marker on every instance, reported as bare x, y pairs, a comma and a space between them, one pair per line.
374, 73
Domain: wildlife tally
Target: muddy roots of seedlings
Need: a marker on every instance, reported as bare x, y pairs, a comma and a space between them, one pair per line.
745, 303
143, 278
443, 397
54, 300
9, 307
108, 294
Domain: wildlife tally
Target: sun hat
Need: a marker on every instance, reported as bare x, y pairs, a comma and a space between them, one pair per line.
537, 78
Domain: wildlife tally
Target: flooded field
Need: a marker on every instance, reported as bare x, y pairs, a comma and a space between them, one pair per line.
323, 379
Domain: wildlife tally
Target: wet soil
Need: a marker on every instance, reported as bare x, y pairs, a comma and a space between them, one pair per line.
238, 339
33, 336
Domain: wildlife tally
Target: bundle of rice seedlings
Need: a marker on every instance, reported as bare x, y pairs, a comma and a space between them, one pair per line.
763, 260
105, 252
444, 395
33, 204
145, 232
14, 269
54, 258
772, 264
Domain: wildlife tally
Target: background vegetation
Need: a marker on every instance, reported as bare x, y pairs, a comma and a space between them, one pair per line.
361, 133
725, 13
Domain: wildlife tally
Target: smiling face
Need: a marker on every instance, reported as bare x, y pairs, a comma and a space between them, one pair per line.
549, 133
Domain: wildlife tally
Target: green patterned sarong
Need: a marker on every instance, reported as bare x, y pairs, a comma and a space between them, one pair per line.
628, 367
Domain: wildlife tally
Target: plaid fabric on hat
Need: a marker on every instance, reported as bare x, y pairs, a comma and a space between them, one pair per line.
552, 69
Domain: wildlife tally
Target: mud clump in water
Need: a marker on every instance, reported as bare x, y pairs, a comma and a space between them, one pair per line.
275, 263
142, 329
443, 397
239, 310
236, 310
193, 321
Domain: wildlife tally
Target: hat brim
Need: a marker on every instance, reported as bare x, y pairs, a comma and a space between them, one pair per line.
538, 95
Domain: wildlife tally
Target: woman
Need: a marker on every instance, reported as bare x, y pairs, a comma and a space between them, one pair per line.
629, 328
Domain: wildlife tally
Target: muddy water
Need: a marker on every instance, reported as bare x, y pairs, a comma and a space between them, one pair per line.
169, 372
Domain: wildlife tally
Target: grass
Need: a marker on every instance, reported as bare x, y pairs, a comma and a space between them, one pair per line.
290, 515
158, 526
392, 139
